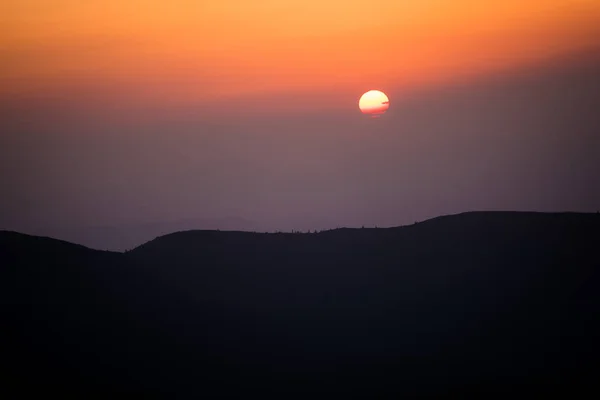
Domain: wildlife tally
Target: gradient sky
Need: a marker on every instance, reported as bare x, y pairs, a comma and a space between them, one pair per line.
115, 111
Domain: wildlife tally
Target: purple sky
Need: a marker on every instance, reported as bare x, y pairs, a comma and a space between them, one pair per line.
525, 140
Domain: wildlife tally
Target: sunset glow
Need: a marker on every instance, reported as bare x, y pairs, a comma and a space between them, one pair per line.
207, 52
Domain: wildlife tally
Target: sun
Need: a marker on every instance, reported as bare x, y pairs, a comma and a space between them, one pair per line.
374, 103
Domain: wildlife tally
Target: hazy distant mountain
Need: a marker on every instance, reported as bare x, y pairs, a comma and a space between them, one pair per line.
127, 236
476, 304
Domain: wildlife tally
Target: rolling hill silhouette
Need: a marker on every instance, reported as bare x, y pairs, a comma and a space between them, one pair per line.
127, 236
480, 304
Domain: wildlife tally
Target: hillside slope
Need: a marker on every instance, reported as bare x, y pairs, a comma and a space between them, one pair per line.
475, 304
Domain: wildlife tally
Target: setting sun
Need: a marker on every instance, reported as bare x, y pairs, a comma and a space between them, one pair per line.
374, 103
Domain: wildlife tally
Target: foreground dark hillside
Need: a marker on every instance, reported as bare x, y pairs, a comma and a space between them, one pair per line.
481, 304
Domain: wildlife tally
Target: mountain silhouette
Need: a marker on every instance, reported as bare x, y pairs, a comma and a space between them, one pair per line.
480, 304
127, 236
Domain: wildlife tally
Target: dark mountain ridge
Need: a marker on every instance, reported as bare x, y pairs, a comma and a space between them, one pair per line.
477, 304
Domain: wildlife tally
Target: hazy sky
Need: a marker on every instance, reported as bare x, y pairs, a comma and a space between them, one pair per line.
119, 111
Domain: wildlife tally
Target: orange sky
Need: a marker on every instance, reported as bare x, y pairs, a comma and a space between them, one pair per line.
212, 51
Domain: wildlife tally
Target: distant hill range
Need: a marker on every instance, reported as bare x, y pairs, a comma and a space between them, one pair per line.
475, 305
126, 236
122, 237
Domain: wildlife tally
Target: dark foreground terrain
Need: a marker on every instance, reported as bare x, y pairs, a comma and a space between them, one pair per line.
472, 305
